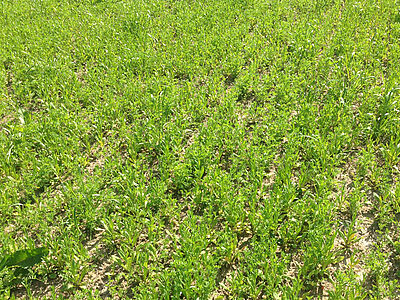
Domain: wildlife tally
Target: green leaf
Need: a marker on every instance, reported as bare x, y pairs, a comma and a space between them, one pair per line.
25, 258
3, 262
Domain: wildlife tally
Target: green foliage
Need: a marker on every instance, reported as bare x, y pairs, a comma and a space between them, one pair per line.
16, 267
24, 258
200, 149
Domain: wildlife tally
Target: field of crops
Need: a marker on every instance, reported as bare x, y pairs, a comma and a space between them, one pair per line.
200, 149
